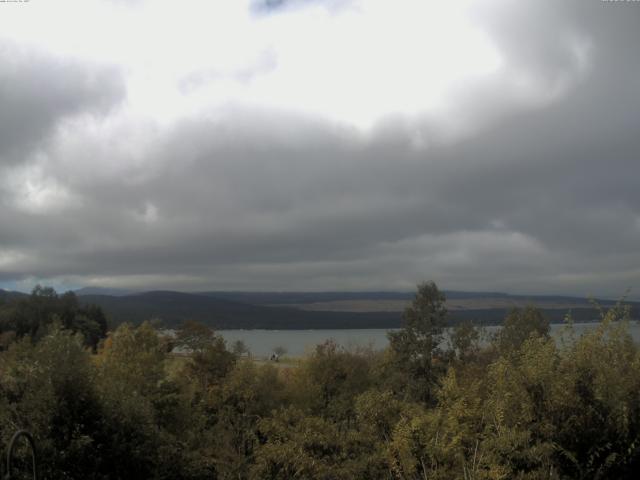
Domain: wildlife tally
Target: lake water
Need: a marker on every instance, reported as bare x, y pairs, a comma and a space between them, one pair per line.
298, 342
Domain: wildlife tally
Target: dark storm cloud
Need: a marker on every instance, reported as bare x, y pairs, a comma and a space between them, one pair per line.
539, 193
37, 90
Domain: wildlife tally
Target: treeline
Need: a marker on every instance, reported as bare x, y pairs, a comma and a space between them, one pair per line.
172, 308
280, 311
521, 405
32, 315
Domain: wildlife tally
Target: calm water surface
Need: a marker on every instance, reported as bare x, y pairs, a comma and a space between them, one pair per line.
298, 342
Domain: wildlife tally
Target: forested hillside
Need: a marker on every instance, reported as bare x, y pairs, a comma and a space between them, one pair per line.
172, 308
318, 310
520, 406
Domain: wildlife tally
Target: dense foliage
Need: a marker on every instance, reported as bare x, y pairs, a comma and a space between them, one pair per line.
32, 316
519, 405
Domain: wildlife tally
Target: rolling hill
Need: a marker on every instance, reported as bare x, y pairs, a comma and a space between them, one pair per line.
171, 308
316, 310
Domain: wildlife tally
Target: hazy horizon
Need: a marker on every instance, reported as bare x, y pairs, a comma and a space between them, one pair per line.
123, 291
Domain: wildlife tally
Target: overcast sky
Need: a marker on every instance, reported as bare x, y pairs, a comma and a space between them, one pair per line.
321, 145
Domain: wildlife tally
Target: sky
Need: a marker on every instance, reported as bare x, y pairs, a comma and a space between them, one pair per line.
489, 145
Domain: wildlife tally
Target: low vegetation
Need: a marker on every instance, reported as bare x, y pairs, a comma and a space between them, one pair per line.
522, 405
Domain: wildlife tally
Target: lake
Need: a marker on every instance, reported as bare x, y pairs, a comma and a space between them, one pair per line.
298, 342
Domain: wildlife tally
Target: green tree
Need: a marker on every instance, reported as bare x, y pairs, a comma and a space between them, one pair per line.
208, 366
151, 429
194, 336
301, 446
328, 381
249, 393
465, 341
33, 315
48, 388
519, 325
239, 348
412, 348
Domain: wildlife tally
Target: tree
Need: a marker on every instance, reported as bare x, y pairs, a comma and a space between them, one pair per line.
518, 326
249, 393
328, 381
146, 417
239, 348
33, 316
309, 447
208, 366
194, 336
413, 347
48, 389
464, 340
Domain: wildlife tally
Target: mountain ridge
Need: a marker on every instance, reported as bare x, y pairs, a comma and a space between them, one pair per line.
317, 310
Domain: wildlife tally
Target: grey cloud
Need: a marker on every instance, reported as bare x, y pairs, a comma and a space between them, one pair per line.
37, 90
536, 200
